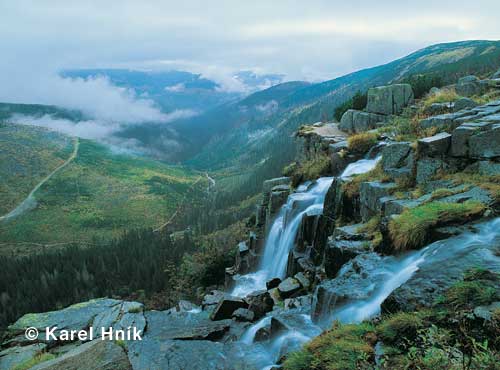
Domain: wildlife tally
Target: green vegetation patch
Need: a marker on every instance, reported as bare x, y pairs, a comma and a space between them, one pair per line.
410, 229
98, 196
341, 348
308, 170
362, 142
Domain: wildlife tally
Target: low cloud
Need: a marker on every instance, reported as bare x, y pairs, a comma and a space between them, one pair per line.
176, 88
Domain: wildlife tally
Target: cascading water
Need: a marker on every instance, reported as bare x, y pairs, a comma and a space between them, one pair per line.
283, 232
390, 272
280, 240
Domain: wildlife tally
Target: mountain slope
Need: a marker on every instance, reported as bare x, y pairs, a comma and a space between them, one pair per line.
259, 142
98, 195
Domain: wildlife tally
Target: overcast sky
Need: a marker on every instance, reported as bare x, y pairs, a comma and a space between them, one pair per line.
312, 40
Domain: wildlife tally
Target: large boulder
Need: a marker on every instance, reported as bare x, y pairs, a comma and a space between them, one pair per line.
187, 325
339, 252
469, 85
76, 317
464, 103
213, 298
427, 168
243, 314
355, 121
485, 144
434, 146
370, 194
389, 99
394, 155
260, 302
226, 307
94, 355
461, 135
289, 287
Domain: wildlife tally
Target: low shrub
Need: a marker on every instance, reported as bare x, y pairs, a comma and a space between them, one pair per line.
358, 101
410, 230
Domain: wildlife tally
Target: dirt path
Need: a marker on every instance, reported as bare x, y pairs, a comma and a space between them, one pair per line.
179, 207
30, 202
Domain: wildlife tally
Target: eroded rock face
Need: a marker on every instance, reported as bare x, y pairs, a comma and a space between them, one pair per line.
389, 99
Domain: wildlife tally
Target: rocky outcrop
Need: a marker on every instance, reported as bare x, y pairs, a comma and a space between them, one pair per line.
263, 209
398, 160
470, 85
389, 99
355, 121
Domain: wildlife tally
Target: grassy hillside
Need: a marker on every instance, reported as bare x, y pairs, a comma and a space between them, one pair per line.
98, 195
28, 155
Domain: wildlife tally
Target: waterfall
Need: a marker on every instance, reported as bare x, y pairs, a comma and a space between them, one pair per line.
383, 276
283, 231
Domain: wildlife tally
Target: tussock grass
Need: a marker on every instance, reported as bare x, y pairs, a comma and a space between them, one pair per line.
309, 170
410, 229
488, 183
442, 96
362, 142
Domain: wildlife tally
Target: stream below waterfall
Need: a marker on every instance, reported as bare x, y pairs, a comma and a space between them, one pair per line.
384, 274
